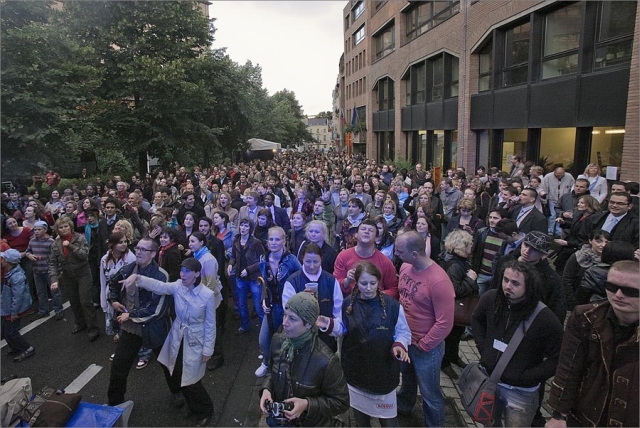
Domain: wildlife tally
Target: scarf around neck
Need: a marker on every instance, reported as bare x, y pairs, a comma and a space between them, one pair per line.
65, 250
87, 231
201, 252
289, 346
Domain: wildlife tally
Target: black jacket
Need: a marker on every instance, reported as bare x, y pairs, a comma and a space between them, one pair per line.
626, 229
315, 374
535, 220
536, 358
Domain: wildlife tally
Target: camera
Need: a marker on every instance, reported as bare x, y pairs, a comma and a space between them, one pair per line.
276, 415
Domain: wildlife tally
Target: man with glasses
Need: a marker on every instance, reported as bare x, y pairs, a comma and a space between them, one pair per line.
144, 319
619, 221
596, 381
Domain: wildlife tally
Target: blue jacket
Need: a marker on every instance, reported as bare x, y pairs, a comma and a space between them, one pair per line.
287, 265
16, 297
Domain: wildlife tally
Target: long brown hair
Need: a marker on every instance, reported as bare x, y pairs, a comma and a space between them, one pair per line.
371, 269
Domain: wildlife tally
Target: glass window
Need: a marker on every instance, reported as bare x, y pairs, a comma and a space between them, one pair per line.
514, 142
421, 83
455, 65
385, 42
347, 21
358, 36
614, 39
358, 10
484, 67
561, 40
438, 78
438, 148
606, 146
427, 14
516, 55
407, 92
562, 30
557, 148
422, 146
454, 149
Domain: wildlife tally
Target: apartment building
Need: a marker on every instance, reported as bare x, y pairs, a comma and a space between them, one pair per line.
474, 82
320, 129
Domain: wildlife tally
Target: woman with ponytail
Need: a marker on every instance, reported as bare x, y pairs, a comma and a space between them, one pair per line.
376, 339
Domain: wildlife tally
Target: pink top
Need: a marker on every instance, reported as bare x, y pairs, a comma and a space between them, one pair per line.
348, 259
428, 300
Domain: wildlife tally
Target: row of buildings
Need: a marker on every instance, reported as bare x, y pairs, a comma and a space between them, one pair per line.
474, 82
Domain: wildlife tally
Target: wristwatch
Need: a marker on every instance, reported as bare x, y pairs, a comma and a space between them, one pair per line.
559, 416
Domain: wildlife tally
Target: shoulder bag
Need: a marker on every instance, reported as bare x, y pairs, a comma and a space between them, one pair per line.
477, 389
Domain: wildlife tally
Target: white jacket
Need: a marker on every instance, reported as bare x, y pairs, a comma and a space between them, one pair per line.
194, 327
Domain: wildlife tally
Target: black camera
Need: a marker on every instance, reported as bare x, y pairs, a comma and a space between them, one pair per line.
276, 415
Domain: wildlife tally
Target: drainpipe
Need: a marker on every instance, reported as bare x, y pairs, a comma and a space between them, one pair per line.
463, 83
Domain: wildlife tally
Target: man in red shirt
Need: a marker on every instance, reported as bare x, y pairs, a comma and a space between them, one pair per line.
52, 178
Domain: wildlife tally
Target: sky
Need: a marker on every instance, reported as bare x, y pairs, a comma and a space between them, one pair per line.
298, 44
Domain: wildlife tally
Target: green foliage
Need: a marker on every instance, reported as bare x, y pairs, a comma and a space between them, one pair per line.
400, 162
118, 79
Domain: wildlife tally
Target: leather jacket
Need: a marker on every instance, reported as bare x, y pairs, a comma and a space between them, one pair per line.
583, 378
316, 374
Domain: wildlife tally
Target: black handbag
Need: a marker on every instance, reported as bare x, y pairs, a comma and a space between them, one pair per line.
50, 408
478, 389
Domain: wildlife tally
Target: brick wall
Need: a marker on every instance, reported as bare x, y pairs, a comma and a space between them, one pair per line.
631, 145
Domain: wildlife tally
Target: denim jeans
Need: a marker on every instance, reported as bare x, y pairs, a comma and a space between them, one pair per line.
553, 225
243, 286
423, 372
484, 282
43, 282
517, 406
277, 313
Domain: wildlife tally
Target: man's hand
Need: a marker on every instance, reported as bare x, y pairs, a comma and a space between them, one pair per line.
300, 405
118, 306
123, 317
266, 395
54, 286
556, 423
400, 354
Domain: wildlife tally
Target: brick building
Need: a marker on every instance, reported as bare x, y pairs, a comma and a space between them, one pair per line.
466, 83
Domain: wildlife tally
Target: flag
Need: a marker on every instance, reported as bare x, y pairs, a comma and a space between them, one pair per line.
354, 117
342, 119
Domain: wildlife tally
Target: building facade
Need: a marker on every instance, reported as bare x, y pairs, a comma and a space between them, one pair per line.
320, 129
467, 83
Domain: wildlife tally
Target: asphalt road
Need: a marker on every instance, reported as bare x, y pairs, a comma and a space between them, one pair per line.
62, 357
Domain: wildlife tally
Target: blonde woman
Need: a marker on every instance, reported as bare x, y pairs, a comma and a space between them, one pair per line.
224, 205
597, 183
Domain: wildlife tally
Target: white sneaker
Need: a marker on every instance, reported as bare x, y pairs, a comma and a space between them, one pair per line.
261, 371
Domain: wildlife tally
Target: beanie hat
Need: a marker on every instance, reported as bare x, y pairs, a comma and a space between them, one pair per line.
305, 306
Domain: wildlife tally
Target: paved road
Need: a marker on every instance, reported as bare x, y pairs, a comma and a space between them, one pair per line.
62, 357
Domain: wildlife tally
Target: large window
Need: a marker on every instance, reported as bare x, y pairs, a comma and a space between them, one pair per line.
420, 82
557, 148
606, 146
484, 67
386, 98
427, 14
358, 10
455, 76
561, 41
614, 38
516, 55
437, 80
358, 36
385, 42
514, 143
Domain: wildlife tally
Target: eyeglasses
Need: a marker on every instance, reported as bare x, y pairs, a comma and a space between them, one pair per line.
627, 291
620, 204
144, 250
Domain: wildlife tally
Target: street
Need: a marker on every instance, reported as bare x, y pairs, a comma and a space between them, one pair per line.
61, 358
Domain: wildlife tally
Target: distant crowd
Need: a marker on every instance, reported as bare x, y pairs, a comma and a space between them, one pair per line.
355, 270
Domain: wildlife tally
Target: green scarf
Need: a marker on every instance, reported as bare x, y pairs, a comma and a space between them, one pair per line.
290, 345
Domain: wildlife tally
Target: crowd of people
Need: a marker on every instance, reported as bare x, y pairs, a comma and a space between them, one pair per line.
353, 269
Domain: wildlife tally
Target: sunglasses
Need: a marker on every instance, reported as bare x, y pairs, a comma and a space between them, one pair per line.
627, 291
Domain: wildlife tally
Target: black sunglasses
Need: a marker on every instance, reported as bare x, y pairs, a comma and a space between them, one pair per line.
627, 291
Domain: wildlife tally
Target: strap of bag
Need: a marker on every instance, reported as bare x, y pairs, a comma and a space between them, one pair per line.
514, 343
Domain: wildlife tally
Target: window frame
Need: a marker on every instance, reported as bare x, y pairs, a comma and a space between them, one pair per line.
611, 58
358, 10
380, 50
512, 67
570, 54
358, 39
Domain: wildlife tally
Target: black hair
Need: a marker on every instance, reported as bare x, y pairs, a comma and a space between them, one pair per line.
532, 292
171, 233
615, 251
311, 248
507, 226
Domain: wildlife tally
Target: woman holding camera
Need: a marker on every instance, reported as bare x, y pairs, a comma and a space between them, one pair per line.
376, 338
303, 371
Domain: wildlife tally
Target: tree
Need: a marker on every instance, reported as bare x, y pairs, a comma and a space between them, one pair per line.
151, 100
324, 115
47, 86
290, 129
